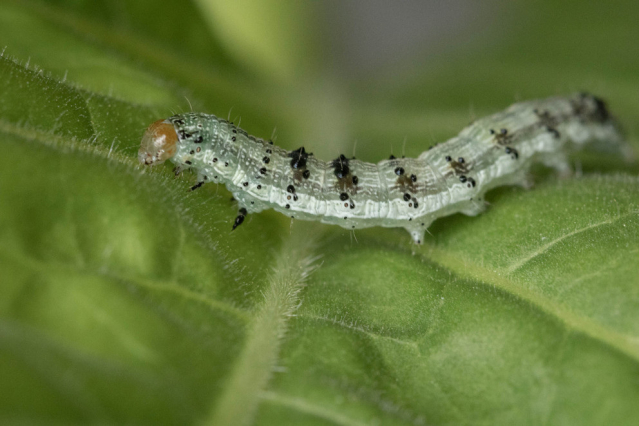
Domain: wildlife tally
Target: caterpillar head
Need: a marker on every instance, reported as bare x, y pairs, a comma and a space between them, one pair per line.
159, 143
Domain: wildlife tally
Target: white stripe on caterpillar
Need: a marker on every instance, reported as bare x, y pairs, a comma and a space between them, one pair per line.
399, 192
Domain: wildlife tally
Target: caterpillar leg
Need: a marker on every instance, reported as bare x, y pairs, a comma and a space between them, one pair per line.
523, 178
559, 162
201, 180
474, 208
417, 232
197, 185
242, 213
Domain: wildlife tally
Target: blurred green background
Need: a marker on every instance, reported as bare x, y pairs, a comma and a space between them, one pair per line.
125, 299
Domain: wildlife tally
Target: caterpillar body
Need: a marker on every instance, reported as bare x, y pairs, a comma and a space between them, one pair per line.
410, 193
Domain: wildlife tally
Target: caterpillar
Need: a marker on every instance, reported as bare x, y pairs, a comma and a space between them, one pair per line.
409, 193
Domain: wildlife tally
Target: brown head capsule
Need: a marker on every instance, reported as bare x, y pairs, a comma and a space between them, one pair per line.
159, 143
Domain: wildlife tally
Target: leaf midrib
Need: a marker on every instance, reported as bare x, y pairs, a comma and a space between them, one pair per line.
258, 359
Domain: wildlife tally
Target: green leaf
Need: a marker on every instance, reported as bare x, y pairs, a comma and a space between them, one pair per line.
125, 298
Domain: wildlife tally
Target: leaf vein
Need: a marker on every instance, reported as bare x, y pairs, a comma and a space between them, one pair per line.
543, 249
